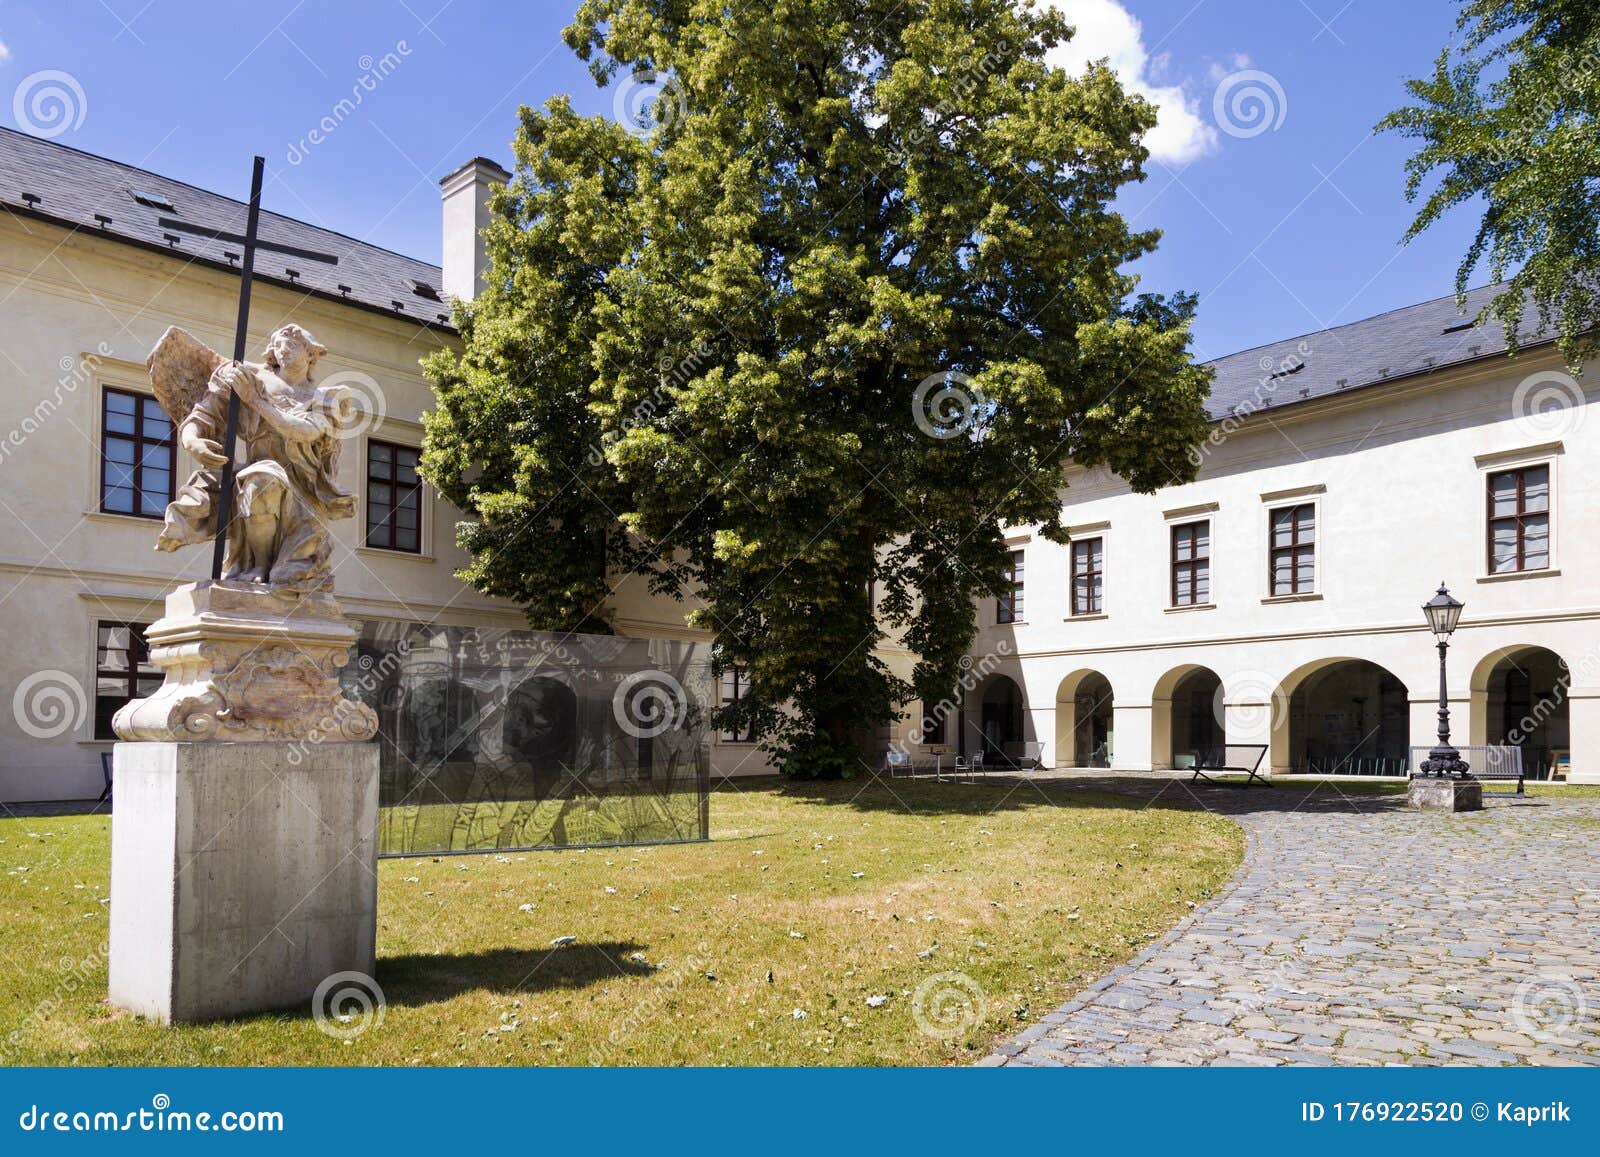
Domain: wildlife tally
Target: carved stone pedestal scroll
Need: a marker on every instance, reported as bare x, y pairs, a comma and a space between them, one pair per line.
247, 663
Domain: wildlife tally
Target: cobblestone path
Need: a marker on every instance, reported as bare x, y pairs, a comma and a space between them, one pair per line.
1358, 932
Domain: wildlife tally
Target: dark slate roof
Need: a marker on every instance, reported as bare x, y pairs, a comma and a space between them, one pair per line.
1416, 339
72, 187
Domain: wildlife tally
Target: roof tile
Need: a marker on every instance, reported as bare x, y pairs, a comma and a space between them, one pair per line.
95, 195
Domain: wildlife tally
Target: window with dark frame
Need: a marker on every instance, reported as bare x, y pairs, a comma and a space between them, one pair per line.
935, 725
1292, 557
735, 688
136, 455
1191, 564
1008, 608
1519, 519
1088, 574
122, 671
394, 497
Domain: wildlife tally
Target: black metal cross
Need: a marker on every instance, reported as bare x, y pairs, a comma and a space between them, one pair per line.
251, 243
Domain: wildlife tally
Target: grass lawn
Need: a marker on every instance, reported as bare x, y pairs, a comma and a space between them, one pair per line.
761, 947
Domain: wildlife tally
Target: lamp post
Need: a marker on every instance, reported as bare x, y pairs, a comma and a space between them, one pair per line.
1443, 613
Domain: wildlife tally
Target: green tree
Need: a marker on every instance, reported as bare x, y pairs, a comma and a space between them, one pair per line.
838, 313
1512, 119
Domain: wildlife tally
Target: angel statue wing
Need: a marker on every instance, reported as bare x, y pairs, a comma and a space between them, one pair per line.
180, 366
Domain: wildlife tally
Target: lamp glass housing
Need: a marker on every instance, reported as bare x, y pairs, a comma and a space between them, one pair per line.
1443, 612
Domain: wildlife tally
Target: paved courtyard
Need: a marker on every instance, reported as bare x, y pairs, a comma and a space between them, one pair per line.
1358, 932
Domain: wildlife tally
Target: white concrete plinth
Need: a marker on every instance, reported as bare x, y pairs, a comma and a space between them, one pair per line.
242, 874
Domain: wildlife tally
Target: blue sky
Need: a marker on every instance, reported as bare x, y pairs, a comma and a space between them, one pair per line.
1281, 231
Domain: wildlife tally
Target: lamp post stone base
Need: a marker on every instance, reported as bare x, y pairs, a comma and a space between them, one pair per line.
1447, 794
242, 874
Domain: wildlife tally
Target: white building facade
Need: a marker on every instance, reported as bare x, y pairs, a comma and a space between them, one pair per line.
1276, 599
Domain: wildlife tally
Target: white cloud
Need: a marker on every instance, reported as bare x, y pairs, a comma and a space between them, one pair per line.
1107, 29
5, 53
1220, 72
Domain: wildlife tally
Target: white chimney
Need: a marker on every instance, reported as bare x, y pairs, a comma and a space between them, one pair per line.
466, 212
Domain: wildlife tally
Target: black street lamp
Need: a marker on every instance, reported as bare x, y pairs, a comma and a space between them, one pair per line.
1443, 614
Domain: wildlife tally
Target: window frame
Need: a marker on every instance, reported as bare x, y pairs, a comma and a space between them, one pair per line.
137, 657
388, 525
140, 442
741, 690
1010, 609
1521, 470
1193, 564
1295, 591
1096, 595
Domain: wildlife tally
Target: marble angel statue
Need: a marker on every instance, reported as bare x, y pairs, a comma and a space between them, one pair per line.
285, 489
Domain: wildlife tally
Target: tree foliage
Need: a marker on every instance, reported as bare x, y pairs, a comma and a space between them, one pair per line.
1513, 117
709, 345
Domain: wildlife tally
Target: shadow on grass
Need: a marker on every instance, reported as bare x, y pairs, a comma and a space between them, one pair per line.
1019, 791
925, 796
419, 979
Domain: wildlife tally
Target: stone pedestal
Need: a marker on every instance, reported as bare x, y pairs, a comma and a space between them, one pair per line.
1432, 793
242, 874
245, 662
